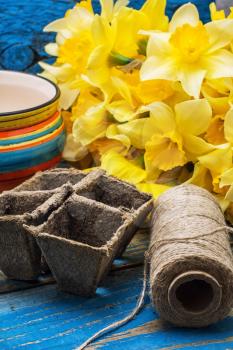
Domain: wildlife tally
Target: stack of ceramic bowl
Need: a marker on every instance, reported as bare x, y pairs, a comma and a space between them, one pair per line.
32, 132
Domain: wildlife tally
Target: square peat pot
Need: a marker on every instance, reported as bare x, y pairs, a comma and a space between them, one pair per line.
20, 255
51, 180
115, 193
81, 239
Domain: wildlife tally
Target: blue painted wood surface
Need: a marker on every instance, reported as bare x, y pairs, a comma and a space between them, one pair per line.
43, 318
22, 21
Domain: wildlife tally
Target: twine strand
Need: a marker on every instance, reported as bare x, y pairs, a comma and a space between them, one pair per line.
155, 245
125, 320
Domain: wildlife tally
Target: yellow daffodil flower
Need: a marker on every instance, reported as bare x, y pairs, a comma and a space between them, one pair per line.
170, 138
72, 48
219, 93
117, 42
190, 51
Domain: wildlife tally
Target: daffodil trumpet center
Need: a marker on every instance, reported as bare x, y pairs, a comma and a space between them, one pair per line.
190, 42
74, 51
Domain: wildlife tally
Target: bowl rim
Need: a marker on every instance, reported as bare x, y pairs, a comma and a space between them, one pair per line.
56, 97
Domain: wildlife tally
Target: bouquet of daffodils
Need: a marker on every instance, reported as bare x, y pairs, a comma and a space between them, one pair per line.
147, 99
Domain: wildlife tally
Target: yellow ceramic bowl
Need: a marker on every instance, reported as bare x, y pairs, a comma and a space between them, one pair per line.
25, 99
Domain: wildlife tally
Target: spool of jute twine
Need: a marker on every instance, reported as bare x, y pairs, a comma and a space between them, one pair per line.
189, 261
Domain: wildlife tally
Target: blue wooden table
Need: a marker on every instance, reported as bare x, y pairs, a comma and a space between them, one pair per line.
36, 315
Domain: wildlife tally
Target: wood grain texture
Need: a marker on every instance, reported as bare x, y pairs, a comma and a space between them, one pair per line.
21, 26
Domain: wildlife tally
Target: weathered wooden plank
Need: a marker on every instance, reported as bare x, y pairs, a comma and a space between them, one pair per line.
21, 26
45, 318
133, 256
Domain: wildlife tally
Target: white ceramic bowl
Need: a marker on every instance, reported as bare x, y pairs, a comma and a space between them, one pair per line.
24, 94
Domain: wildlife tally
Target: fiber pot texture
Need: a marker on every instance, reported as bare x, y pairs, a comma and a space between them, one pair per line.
31, 203
20, 256
94, 225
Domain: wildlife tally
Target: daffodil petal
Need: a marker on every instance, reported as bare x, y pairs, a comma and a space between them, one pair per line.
228, 126
158, 44
52, 49
191, 80
73, 151
79, 15
121, 111
227, 178
218, 160
194, 116
113, 133
196, 146
215, 131
107, 9
123, 89
68, 95
97, 65
119, 4
220, 64
56, 26
201, 177
154, 189
220, 33
60, 39
159, 64
186, 14
62, 73
220, 105
91, 125
162, 118
134, 130
117, 165
102, 32
155, 11
158, 68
